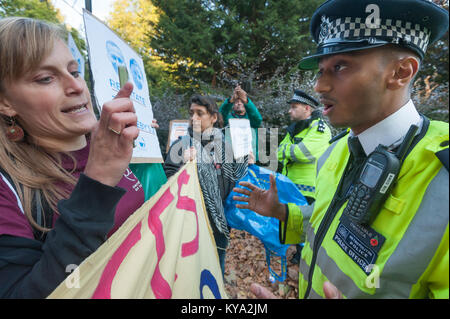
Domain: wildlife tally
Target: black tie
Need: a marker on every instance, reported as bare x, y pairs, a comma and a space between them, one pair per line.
352, 171
356, 148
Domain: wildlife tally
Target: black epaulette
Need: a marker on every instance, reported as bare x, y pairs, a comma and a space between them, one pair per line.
339, 136
321, 127
443, 155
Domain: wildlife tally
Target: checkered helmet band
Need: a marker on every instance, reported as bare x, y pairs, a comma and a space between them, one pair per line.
303, 100
394, 31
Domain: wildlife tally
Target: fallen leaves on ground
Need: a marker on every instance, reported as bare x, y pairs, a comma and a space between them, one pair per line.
246, 264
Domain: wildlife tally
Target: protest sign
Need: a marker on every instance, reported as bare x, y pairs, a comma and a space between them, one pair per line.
241, 137
164, 250
107, 51
177, 128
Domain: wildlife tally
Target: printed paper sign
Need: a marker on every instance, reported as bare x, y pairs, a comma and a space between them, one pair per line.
177, 128
107, 51
241, 137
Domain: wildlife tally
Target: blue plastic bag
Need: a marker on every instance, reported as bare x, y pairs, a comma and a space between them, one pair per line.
262, 227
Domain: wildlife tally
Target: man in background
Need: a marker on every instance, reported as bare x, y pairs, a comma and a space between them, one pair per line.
239, 106
306, 140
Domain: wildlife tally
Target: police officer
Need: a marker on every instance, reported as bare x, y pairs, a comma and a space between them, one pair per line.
306, 139
368, 54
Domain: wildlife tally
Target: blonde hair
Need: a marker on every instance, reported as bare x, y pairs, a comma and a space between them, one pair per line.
35, 171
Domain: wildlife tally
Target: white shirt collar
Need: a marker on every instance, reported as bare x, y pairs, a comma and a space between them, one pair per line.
390, 131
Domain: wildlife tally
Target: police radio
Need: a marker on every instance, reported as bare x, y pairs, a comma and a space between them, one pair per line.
379, 173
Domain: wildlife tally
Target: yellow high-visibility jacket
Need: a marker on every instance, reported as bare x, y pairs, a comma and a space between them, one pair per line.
405, 251
299, 151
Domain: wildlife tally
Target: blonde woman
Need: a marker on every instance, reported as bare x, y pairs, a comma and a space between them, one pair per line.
65, 185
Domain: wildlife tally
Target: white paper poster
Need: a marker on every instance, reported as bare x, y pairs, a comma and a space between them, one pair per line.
107, 51
241, 137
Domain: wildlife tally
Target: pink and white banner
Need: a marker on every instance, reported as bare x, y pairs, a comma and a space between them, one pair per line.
164, 250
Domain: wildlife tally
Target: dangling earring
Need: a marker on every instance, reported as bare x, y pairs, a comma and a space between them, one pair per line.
14, 132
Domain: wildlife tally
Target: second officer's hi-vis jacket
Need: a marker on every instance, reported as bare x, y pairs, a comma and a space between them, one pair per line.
299, 150
404, 253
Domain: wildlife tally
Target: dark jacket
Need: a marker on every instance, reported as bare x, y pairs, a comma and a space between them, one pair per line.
33, 269
226, 179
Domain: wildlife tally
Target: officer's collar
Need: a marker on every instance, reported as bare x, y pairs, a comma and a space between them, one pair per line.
298, 126
390, 131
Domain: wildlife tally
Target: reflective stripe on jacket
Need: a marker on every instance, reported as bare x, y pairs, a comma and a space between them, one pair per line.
299, 155
413, 262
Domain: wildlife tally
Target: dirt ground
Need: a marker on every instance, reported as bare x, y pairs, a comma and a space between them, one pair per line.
246, 264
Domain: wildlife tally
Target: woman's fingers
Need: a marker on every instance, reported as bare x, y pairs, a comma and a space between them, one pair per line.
125, 91
121, 103
121, 120
129, 134
112, 139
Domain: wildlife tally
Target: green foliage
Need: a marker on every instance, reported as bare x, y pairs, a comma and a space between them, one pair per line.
222, 41
133, 20
435, 62
29, 8
207, 46
431, 86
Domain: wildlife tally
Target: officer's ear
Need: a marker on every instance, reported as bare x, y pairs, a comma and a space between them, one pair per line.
403, 72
